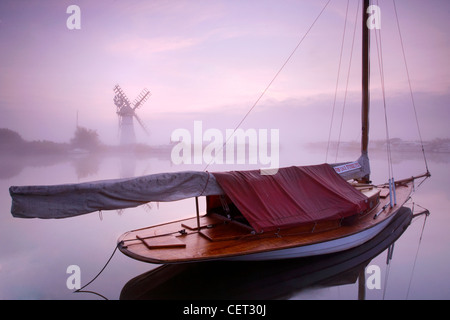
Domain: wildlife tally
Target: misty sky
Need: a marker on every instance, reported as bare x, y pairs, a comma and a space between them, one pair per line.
210, 61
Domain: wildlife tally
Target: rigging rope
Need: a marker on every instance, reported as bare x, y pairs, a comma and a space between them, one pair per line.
337, 80
410, 86
348, 78
271, 81
383, 90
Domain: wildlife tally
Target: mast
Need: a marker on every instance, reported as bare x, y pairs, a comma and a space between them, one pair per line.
365, 85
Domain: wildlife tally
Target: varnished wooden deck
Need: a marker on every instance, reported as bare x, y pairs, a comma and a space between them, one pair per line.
219, 238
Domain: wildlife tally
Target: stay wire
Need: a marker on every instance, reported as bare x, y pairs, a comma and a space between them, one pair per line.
337, 81
348, 79
410, 86
383, 90
271, 82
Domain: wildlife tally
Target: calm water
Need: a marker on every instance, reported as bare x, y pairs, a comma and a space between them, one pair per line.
36, 253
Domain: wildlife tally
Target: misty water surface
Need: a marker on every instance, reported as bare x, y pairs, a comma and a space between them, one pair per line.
36, 253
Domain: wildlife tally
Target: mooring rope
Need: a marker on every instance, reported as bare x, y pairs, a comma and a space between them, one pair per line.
104, 267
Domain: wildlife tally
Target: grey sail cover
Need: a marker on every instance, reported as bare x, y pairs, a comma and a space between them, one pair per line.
68, 200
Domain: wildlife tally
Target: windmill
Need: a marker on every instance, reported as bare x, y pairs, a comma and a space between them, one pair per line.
126, 112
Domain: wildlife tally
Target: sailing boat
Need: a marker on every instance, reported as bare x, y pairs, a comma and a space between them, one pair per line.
297, 212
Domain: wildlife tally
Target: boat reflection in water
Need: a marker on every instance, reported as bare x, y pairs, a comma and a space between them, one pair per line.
264, 279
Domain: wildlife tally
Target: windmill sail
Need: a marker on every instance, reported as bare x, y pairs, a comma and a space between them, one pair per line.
143, 96
142, 124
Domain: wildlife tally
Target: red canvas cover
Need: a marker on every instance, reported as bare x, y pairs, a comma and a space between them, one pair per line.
293, 196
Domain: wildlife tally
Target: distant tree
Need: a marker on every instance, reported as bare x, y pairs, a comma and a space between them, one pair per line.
85, 139
10, 142
10, 137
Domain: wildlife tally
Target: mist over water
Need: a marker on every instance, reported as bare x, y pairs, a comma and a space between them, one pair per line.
33, 265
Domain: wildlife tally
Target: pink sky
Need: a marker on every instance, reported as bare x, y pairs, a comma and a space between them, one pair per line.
210, 60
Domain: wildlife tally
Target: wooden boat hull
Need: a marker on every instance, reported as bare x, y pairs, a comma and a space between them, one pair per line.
262, 280
181, 241
320, 248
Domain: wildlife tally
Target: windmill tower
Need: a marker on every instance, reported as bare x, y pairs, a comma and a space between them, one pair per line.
126, 112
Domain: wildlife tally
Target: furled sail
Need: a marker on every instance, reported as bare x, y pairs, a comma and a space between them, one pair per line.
69, 200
